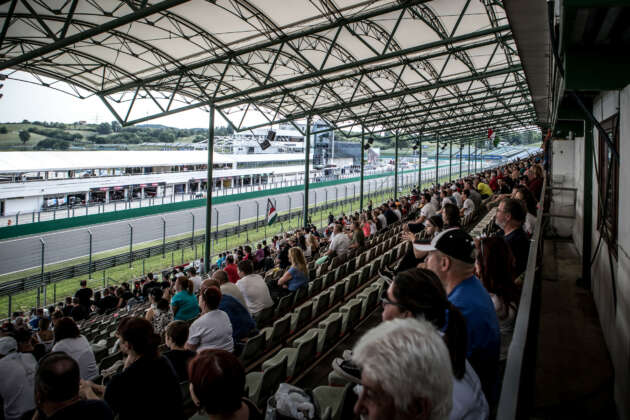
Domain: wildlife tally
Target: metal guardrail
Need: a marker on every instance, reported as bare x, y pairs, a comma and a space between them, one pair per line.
518, 379
38, 280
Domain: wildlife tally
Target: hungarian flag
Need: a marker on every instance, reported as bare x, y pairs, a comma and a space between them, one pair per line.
271, 212
492, 137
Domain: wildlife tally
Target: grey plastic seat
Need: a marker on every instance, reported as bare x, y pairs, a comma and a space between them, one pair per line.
279, 331
351, 283
338, 293
365, 274
336, 398
301, 316
284, 305
264, 317
321, 304
300, 295
351, 316
329, 279
261, 385
297, 357
254, 348
315, 286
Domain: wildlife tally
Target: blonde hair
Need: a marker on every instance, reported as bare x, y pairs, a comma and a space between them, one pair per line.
296, 256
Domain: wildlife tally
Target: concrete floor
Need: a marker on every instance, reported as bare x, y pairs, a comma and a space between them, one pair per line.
574, 374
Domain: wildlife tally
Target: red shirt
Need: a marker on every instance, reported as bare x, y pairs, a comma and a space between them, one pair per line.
232, 274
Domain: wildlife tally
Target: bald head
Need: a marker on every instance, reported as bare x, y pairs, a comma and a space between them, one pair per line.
221, 276
57, 378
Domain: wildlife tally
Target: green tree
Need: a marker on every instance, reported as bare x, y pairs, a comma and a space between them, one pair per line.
3, 130
104, 128
116, 127
24, 136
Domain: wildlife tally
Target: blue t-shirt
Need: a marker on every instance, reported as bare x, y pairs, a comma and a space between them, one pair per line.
242, 321
298, 279
187, 304
482, 325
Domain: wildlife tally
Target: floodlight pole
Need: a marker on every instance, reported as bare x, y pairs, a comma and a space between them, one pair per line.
307, 147
396, 168
362, 167
206, 257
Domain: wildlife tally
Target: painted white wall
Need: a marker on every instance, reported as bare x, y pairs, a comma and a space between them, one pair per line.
23, 205
563, 176
615, 321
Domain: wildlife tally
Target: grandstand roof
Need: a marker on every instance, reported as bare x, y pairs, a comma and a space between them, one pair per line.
21, 162
447, 67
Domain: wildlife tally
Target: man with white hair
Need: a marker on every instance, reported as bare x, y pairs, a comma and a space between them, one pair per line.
405, 372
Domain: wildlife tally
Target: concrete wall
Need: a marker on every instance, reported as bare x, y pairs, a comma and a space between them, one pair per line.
563, 176
614, 319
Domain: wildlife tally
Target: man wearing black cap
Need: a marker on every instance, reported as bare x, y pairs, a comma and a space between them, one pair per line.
451, 255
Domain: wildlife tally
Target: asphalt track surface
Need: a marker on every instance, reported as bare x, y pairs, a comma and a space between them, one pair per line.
26, 252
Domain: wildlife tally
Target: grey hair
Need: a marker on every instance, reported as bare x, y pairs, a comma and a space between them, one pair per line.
409, 360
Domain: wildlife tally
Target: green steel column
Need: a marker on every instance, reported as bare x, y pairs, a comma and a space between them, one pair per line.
420, 164
307, 149
461, 153
396, 168
362, 167
475, 156
469, 156
481, 159
437, 159
587, 227
450, 161
209, 185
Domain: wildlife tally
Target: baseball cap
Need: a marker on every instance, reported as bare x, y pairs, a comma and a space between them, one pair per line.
453, 242
7, 345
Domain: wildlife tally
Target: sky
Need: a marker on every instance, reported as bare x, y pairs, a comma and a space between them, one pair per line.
27, 101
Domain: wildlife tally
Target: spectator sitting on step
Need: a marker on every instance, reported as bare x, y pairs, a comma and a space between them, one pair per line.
217, 386
406, 372
184, 303
468, 207
58, 392
69, 340
253, 287
80, 312
451, 256
175, 339
510, 217
213, 329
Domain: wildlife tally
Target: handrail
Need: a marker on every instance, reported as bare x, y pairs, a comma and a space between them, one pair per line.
509, 398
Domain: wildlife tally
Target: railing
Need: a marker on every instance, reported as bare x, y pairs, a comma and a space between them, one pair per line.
518, 380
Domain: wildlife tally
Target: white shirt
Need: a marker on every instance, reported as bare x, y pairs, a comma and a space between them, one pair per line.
427, 210
373, 228
255, 292
469, 207
458, 198
469, 402
212, 330
530, 223
340, 243
79, 349
383, 220
397, 213
17, 386
233, 290
196, 280
446, 201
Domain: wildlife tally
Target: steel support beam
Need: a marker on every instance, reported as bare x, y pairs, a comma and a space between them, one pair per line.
362, 167
307, 149
396, 167
437, 160
450, 161
420, 166
210, 185
587, 226
98, 30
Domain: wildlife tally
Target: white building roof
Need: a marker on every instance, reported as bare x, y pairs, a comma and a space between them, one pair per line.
21, 162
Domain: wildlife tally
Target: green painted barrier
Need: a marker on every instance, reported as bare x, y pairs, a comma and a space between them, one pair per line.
15, 231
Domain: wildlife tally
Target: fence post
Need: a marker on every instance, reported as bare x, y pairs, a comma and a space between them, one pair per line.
257, 210
54, 292
172, 258
42, 272
104, 285
239, 221
39, 216
163, 237
33, 217
182, 255
192, 236
17, 217
90, 255
143, 266
10, 306
216, 236
289, 215
130, 243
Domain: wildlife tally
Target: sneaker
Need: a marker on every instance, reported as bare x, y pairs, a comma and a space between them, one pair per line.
347, 370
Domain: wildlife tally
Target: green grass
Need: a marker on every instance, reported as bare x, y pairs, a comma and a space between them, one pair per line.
119, 274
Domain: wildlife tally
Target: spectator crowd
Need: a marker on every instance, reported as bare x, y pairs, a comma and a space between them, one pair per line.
448, 315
